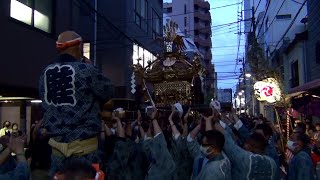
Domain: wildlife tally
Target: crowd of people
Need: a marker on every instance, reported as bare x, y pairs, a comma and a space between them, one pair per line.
73, 142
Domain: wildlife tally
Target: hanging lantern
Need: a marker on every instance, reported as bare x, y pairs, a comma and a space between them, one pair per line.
268, 90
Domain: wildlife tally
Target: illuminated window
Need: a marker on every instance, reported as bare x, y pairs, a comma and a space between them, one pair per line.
135, 54
35, 13
86, 50
142, 54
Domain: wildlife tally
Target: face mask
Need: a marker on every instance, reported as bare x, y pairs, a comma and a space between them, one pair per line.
204, 150
291, 146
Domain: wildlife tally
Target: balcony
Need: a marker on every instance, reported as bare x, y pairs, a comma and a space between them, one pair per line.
203, 42
205, 30
202, 16
202, 4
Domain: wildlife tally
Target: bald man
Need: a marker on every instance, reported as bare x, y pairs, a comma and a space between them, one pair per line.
72, 92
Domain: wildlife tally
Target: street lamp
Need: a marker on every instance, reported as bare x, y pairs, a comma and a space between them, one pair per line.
248, 75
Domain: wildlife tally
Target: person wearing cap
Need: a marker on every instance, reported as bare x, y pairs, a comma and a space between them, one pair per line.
72, 91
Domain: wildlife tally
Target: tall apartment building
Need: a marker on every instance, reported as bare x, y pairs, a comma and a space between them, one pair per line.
194, 20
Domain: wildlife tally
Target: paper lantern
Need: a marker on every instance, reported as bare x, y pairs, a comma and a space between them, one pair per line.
267, 90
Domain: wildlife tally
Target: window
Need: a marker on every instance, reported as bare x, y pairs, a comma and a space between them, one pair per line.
185, 21
284, 16
36, 13
86, 50
156, 28
295, 74
141, 56
185, 32
141, 13
185, 9
167, 10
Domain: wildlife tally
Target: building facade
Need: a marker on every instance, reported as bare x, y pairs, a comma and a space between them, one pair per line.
194, 20
308, 102
115, 35
313, 54
30, 30
280, 31
139, 25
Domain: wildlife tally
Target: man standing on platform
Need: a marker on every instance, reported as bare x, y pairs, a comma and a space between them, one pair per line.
72, 92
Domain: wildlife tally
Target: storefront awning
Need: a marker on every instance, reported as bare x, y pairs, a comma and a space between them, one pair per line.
308, 86
295, 94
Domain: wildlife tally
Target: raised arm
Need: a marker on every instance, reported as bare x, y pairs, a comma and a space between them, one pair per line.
21, 170
142, 133
185, 123
174, 129
156, 127
120, 130
236, 154
193, 145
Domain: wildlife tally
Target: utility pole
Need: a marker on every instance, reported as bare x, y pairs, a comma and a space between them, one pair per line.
254, 26
254, 48
244, 84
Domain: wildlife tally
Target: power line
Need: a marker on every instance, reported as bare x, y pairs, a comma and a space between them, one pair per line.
264, 16
191, 12
224, 29
228, 72
257, 7
224, 55
272, 20
297, 2
181, 14
239, 42
292, 22
233, 31
149, 37
108, 21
